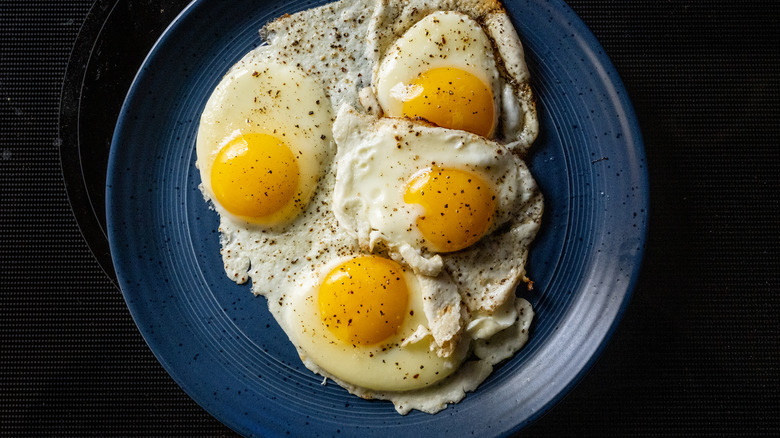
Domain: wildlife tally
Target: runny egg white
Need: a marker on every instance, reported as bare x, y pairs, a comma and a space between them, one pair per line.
388, 235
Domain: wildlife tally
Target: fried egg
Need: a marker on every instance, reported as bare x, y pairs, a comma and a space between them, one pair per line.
420, 190
363, 322
441, 70
459, 68
263, 140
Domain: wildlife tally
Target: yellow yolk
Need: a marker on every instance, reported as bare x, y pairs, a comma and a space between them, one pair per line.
451, 98
255, 176
459, 207
364, 301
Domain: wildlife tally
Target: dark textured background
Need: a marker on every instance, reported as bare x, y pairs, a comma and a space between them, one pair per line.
697, 353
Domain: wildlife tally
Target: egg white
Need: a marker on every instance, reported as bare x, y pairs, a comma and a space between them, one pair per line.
338, 46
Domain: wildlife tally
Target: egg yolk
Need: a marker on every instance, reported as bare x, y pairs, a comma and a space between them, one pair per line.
255, 175
364, 301
459, 206
451, 98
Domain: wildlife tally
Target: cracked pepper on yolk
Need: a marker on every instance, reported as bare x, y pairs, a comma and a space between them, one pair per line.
451, 98
255, 175
364, 301
459, 207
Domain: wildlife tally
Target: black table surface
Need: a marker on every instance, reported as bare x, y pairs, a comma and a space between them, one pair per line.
696, 354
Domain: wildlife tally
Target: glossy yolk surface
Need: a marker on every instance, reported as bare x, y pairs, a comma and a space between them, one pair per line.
364, 301
451, 98
459, 206
255, 175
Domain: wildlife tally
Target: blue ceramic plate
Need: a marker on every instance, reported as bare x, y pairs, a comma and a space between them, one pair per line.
220, 343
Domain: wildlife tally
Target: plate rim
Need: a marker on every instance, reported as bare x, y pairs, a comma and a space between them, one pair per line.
637, 146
